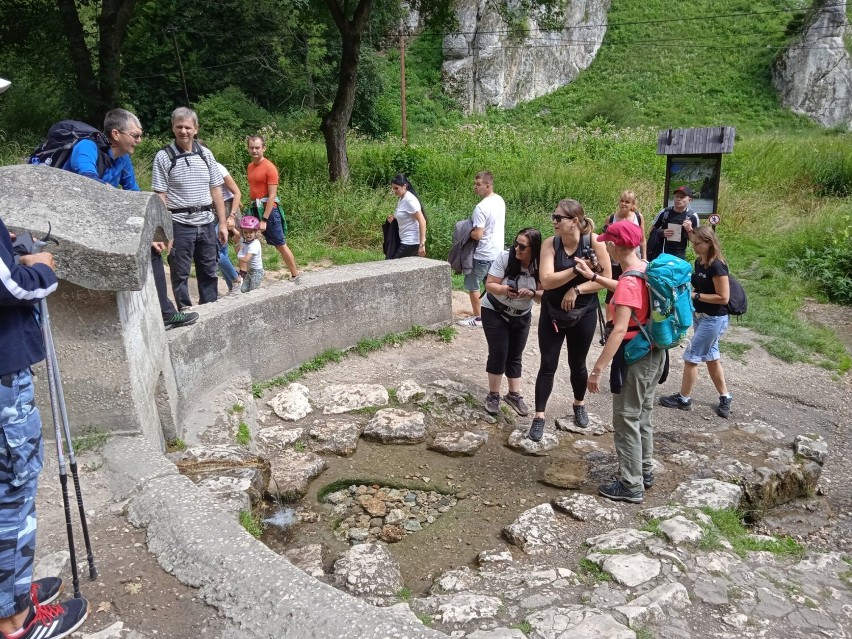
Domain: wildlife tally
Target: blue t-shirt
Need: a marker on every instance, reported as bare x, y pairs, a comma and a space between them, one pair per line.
119, 172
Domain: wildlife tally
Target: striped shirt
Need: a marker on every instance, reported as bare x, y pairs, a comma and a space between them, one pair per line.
187, 185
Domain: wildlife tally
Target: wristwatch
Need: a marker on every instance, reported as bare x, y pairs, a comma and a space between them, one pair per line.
696, 297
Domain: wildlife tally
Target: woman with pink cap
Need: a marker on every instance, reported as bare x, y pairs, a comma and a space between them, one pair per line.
632, 386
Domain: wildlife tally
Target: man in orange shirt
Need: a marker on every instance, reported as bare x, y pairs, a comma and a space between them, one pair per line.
263, 186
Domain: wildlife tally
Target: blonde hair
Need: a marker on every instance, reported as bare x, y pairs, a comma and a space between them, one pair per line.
707, 234
572, 208
631, 196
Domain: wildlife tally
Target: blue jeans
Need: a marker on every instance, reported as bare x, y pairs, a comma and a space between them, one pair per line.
21, 461
229, 273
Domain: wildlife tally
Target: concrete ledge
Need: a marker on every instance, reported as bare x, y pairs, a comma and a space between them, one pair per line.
104, 233
262, 592
273, 330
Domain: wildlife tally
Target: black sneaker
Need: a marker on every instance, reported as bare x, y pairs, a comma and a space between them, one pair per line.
581, 417
537, 429
724, 407
45, 591
54, 621
648, 480
617, 492
492, 403
676, 401
180, 319
517, 403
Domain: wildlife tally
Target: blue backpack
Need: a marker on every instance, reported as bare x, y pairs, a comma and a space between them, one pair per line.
669, 282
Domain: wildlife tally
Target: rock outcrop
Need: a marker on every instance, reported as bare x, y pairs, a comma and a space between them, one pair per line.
814, 75
487, 65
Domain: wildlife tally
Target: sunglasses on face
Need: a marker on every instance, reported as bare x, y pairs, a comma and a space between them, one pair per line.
559, 218
520, 247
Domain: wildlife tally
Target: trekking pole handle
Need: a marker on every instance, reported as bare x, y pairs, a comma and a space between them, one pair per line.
26, 244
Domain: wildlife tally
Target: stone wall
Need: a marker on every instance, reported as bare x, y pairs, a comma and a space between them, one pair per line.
485, 66
813, 76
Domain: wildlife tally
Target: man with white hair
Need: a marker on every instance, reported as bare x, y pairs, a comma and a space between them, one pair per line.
187, 178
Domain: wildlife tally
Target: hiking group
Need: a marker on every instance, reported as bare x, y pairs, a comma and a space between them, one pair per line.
650, 307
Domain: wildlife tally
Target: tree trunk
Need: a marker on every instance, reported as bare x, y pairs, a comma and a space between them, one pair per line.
81, 61
336, 121
112, 28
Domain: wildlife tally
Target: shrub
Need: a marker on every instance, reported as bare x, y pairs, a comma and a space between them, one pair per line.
231, 111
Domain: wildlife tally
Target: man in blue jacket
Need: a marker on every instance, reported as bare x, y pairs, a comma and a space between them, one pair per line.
124, 132
25, 612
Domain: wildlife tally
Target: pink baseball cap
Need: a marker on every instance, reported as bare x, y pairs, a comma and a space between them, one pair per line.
624, 233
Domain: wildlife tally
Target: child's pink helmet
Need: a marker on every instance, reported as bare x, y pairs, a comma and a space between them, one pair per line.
249, 223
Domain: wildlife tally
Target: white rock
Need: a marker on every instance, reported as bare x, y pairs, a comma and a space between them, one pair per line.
336, 437
709, 493
467, 607
577, 622
307, 559
368, 570
279, 438
587, 508
629, 570
457, 580
495, 556
519, 441
680, 530
618, 539
293, 472
536, 530
292, 403
455, 444
341, 398
497, 633
396, 426
51, 565
654, 605
409, 391
404, 610
112, 631
811, 447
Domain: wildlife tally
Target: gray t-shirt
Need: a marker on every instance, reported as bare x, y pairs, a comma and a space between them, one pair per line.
187, 185
525, 280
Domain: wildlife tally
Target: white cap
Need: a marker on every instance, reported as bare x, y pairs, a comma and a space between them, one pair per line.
4, 84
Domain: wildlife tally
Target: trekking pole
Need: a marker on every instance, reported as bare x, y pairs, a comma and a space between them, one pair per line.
72, 459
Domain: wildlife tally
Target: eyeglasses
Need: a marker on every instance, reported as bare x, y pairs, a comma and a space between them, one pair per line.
135, 136
559, 218
520, 247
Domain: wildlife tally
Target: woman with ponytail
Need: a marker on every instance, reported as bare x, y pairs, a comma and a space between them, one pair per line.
410, 218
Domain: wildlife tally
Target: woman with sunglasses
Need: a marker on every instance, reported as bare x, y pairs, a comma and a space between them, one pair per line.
712, 290
511, 288
568, 310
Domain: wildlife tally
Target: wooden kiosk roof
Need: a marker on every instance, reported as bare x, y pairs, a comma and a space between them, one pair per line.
700, 141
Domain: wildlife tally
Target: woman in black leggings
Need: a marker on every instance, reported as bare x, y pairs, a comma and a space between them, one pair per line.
568, 309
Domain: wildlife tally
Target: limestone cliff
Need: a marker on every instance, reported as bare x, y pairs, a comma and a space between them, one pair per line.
486, 66
814, 75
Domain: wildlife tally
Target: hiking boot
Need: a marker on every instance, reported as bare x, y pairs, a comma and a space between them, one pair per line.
648, 479
180, 319
492, 403
46, 590
724, 407
581, 417
537, 429
676, 401
617, 492
474, 322
517, 403
54, 621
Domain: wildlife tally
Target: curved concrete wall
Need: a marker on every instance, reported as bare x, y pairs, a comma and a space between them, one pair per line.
273, 330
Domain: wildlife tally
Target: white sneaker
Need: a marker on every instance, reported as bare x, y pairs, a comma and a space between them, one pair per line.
235, 288
474, 322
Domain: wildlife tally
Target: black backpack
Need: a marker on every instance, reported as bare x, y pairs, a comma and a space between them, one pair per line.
175, 154
61, 139
737, 301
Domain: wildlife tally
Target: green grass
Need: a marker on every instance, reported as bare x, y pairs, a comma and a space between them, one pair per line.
593, 571
238, 407
642, 632
404, 594
524, 626
243, 434
426, 620
734, 350
728, 524
175, 445
90, 438
251, 523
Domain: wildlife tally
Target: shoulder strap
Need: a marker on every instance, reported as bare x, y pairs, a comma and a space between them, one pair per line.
586, 241
196, 149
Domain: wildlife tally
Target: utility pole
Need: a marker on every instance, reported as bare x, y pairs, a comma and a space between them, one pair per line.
402, 81
173, 31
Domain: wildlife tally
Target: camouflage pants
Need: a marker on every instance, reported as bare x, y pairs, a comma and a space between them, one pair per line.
21, 460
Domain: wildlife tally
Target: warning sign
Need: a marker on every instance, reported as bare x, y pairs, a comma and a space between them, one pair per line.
714, 219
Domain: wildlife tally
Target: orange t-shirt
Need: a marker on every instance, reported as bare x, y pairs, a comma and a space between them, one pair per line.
260, 176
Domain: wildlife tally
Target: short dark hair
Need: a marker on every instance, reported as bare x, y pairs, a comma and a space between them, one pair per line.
485, 176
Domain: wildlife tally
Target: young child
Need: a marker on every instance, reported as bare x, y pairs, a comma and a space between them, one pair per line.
251, 264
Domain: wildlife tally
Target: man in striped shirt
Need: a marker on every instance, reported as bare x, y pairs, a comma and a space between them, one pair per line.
186, 177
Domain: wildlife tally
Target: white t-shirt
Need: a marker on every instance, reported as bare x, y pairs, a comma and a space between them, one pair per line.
226, 194
409, 228
490, 215
253, 249
525, 280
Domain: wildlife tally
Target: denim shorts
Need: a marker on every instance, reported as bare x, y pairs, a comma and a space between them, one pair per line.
704, 346
276, 227
474, 279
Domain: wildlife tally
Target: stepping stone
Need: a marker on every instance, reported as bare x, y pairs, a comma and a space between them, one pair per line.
618, 540
396, 426
709, 493
587, 508
338, 437
596, 426
467, 607
342, 398
292, 403
577, 622
680, 530
465, 443
293, 472
369, 571
308, 559
565, 473
536, 531
519, 441
279, 438
654, 605
811, 447
409, 391
628, 570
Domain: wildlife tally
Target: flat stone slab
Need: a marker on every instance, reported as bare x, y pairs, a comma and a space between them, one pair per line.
461, 444
596, 426
463, 608
577, 622
628, 570
656, 604
811, 447
618, 540
292, 403
680, 530
235, 490
370, 571
497, 633
293, 472
279, 438
587, 508
564, 473
708, 493
342, 398
307, 559
409, 391
396, 426
495, 557
336, 437
536, 531
519, 441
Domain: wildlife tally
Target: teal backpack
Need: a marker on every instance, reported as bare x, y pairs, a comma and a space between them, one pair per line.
668, 279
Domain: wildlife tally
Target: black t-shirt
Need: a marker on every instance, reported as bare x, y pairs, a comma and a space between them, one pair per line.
702, 282
563, 262
678, 249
